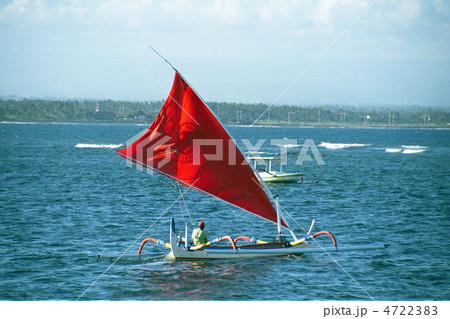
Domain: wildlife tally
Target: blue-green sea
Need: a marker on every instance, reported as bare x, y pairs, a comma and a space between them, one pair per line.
65, 197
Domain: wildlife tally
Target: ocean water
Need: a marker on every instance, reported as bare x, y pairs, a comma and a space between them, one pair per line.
66, 197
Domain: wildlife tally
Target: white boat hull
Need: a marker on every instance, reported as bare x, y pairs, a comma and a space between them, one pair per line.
280, 177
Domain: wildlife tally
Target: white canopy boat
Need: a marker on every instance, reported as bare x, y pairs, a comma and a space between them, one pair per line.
271, 176
187, 143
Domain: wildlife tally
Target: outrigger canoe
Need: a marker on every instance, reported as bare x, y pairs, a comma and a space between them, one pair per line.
234, 248
188, 144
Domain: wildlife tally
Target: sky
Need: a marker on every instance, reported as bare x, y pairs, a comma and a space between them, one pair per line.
335, 52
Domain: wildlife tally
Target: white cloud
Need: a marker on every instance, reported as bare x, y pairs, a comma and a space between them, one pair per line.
232, 27
128, 15
328, 12
405, 12
191, 14
29, 13
442, 7
231, 12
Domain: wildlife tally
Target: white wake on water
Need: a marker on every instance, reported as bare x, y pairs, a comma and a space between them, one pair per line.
393, 150
337, 146
84, 145
413, 149
289, 145
408, 149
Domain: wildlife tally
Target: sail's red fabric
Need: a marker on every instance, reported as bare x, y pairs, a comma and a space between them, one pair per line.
187, 142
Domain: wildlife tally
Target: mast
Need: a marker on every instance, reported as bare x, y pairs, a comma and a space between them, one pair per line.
280, 236
278, 215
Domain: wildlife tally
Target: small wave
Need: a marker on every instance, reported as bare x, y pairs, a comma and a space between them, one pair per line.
413, 151
9, 122
289, 145
255, 153
407, 149
337, 146
83, 145
414, 147
393, 150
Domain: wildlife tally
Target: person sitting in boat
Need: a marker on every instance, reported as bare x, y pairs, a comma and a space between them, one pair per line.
199, 235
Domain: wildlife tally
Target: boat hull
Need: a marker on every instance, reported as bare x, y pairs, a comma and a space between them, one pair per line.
280, 178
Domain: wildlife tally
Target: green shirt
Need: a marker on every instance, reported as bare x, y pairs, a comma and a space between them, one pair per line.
199, 236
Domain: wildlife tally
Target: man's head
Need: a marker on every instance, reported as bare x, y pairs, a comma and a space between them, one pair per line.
201, 225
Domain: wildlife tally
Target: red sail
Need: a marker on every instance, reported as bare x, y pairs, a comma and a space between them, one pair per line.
187, 142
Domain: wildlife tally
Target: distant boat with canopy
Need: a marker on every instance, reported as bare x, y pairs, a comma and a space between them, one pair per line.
270, 175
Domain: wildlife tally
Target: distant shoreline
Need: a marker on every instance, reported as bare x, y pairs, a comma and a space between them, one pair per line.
243, 125
123, 112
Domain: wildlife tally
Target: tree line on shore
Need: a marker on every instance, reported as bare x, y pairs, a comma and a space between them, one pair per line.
36, 110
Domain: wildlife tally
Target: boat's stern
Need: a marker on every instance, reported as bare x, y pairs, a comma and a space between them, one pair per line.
173, 241
173, 235
176, 250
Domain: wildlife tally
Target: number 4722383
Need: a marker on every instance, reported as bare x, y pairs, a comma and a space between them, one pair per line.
411, 310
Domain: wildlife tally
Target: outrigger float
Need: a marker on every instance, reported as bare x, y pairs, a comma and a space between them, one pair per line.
187, 143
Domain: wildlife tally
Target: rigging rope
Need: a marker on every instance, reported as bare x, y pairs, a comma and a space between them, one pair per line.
133, 58
185, 206
334, 260
138, 238
154, 80
316, 60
